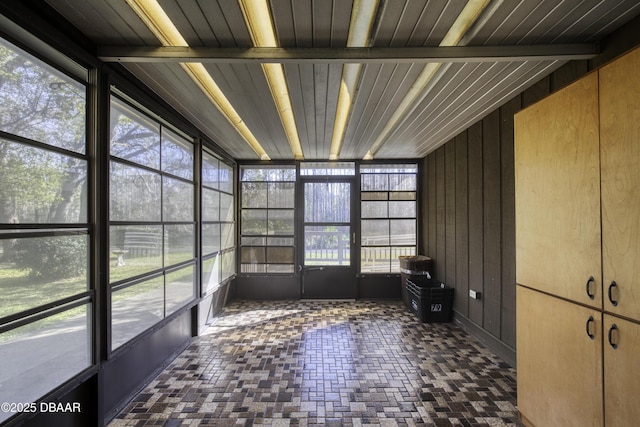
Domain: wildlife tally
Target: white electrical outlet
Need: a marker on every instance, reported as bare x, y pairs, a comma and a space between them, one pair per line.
474, 294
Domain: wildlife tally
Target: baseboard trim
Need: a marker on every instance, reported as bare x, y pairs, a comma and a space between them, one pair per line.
507, 353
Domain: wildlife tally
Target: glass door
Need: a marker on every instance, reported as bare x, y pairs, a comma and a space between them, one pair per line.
327, 239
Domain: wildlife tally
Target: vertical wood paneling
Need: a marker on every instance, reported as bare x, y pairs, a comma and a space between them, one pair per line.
492, 223
423, 221
476, 237
439, 261
431, 204
536, 92
461, 299
479, 252
508, 306
450, 214
568, 73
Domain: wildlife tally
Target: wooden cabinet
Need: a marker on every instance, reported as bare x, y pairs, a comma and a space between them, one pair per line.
620, 158
569, 336
622, 379
577, 165
558, 194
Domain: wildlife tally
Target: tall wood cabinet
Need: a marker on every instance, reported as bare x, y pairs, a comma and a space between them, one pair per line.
577, 165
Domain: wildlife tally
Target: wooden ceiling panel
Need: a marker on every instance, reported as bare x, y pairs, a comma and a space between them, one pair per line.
463, 94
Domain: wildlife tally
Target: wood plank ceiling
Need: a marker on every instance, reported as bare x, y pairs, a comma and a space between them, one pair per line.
460, 93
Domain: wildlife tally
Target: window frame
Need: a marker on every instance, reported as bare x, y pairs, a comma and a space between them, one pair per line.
166, 268
394, 249
245, 245
40, 315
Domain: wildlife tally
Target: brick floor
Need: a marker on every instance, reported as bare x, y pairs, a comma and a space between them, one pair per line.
319, 363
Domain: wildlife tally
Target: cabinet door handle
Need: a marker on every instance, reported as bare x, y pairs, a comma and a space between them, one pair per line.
589, 282
610, 293
589, 321
613, 327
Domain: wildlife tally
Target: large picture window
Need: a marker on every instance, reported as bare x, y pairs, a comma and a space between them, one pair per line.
152, 222
45, 289
388, 216
267, 219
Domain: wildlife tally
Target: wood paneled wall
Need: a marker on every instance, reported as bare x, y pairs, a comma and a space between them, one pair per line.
468, 206
468, 216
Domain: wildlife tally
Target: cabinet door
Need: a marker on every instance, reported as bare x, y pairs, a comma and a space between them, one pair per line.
559, 356
621, 372
620, 147
557, 172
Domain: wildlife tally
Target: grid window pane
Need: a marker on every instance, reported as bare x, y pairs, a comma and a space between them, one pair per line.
177, 155
327, 202
375, 232
374, 210
327, 168
374, 195
281, 222
177, 200
279, 268
375, 259
134, 136
39, 102
134, 194
402, 195
39, 270
403, 232
253, 268
39, 186
210, 238
281, 195
135, 309
226, 208
228, 264
254, 194
225, 178
397, 252
211, 273
253, 241
403, 182
179, 243
280, 241
210, 205
135, 250
210, 168
38, 357
253, 255
254, 221
402, 209
179, 288
381, 259
266, 174
280, 255
372, 182
268, 201
389, 195
327, 245
228, 236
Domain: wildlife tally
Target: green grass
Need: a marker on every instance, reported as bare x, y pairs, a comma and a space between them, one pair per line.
21, 292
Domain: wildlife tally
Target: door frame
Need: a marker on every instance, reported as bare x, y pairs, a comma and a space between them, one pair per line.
331, 273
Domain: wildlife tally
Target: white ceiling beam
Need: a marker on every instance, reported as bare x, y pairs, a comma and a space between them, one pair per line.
357, 55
